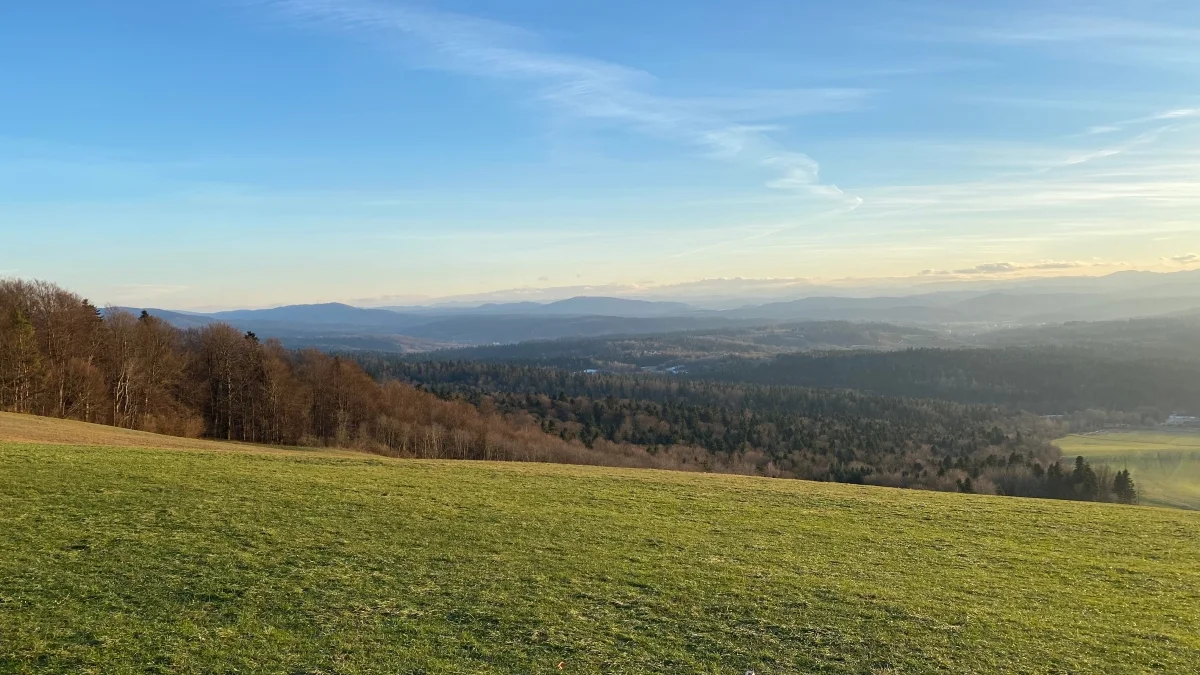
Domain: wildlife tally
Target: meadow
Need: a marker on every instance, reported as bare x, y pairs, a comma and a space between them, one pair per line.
1165, 465
228, 558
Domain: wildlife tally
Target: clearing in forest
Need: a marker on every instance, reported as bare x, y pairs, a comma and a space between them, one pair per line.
1165, 465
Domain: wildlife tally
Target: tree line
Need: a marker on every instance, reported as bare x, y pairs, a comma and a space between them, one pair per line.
60, 356
841, 436
1082, 483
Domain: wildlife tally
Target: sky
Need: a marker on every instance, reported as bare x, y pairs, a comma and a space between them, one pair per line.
202, 154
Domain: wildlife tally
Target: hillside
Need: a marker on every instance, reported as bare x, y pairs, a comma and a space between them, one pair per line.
779, 431
629, 353
31, 429
1045, 380
135, 559
61, 357
18, 428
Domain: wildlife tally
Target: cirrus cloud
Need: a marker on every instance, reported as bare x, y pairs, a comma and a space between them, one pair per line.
588, 88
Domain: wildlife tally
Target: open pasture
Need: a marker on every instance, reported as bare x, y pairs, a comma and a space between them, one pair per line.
135, 559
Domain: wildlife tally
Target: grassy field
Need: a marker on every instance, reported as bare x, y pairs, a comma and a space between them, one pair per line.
135, 559
44, 430
1165, 465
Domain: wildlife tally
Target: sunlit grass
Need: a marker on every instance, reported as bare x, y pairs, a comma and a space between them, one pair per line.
136, 560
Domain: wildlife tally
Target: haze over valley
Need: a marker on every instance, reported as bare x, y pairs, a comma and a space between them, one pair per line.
960, 316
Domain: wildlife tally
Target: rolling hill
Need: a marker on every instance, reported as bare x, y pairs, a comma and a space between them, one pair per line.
342, 327
134, 559
979, 308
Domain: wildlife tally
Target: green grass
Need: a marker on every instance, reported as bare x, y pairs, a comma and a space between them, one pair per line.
1165, 466
143, 560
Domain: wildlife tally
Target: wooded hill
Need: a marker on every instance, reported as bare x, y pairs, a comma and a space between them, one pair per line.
1137, 372
61, 357
841, 436
1045, 380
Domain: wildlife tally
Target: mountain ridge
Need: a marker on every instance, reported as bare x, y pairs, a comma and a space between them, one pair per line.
1125, 295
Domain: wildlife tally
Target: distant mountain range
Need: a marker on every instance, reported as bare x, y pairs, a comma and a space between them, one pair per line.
578, 306
1124, 295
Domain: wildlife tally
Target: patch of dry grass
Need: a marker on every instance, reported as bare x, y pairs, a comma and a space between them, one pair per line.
17, 428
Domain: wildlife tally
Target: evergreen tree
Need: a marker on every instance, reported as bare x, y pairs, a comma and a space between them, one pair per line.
1087, 485
1123, 487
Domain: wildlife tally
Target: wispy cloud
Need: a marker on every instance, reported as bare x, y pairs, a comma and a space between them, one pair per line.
1148, 179
1175, 115
1065, 28
1185, 259
584, 87
1178, 114
1008, 268
1100, 32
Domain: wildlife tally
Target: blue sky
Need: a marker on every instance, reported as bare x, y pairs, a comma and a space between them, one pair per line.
217, 153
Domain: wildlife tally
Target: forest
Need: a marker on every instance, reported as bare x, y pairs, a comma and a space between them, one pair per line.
1088, 368
1045, 380
630, 352
841, 436
61, 356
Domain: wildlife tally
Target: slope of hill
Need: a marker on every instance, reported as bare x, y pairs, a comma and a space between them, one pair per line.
590, 306
1047, 380
138, 560
1014, 306
1166, 337
582, 305
511, 328
20, 428
919, 310
332, 313
348, 328
617, 307
59, 357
